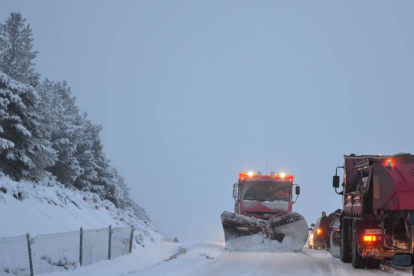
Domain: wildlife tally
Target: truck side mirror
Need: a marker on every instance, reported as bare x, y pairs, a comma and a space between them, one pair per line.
410, 219
402, 259
297, 190
235, 193
335, 182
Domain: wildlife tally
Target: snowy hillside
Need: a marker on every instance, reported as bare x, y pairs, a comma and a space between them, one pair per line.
45, 140
26, 207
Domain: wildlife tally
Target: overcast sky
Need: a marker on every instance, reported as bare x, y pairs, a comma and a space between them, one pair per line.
191, 92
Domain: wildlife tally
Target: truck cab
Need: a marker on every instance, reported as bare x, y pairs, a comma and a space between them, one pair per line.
263, 196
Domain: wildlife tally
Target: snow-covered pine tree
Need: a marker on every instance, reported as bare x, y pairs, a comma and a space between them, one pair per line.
21, 123
86, 156
16, 50
62, 115
97, 173
25, 148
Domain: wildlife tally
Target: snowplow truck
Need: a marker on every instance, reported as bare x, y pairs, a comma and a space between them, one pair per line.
378, 208
263, 205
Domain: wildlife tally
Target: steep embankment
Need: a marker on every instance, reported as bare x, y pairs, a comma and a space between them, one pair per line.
26, 207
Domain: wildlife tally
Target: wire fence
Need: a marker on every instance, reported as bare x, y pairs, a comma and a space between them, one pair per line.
29, 256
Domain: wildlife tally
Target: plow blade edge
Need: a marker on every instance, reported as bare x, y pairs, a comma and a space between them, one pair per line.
292, 227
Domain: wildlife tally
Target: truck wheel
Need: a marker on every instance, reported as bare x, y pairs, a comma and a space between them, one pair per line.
344, 250
373, 263
357, 260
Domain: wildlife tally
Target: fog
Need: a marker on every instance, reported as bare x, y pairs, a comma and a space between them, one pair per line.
192, 92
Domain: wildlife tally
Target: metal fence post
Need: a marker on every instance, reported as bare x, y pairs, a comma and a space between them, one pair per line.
81, 247
110, 242
131, 242
29, 247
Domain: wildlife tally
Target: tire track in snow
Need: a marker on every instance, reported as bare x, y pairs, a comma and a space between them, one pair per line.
232, 263
181, 251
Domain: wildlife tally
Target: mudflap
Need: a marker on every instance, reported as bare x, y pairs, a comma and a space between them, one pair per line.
334, 232
292, 225
334, 244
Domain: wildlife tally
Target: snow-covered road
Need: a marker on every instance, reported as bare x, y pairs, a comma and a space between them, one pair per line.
207, 259
210, 259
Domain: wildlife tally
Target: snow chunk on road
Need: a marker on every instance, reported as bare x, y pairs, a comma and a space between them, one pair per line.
260, 243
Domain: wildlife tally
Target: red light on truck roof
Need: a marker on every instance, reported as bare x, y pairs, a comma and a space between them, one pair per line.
243, 175
246, 175
284, 176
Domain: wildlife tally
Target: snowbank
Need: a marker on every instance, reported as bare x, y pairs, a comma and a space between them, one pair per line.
154, 253
26, 207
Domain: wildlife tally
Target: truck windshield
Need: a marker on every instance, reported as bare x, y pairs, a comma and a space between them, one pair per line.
266, 191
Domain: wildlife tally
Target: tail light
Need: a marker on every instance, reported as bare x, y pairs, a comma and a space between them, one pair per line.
371, 238
318, 231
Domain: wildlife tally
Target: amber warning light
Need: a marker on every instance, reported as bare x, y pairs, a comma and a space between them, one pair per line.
282, 175
371, 238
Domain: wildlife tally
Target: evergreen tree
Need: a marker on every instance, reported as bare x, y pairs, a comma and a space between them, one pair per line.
16, 50
25, 148
85, 154
42, 132
61, 115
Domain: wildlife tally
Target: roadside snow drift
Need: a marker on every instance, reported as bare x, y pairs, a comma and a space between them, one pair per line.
26, 207
53, 215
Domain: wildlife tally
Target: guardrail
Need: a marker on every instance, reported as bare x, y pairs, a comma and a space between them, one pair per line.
29, 256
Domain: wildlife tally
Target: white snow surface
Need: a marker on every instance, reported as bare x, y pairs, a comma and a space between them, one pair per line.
259, 242
141, 259
46, 208
210, 259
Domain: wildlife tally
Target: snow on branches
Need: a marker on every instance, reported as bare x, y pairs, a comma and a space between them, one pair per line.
43, 134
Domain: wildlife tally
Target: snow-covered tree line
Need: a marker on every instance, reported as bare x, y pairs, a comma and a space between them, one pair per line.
43, 134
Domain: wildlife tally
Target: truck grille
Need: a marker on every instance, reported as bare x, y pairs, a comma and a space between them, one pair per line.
266, 214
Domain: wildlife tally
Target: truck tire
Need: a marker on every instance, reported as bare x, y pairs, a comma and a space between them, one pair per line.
357, 260
373, 263
345, 252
